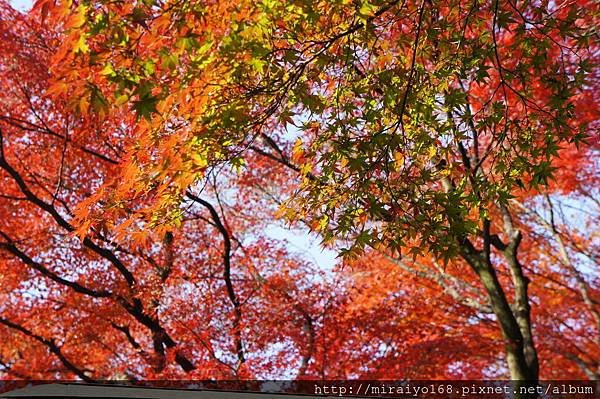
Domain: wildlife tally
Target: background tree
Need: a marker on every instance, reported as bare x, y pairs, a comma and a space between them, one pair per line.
420, 139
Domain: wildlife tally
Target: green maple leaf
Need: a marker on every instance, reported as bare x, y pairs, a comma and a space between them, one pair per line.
144, 107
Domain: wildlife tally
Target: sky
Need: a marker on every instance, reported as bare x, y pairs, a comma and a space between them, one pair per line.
22, 5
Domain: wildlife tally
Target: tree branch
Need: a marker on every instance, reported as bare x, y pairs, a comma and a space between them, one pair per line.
226, 275
52, 347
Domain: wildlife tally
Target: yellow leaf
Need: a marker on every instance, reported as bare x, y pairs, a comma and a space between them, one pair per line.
199, 160
432, 151
107, 70
323, 223
78, 19
398, 160
122, 99
81, 45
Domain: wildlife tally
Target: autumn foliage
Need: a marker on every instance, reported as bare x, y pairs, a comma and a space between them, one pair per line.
447, 151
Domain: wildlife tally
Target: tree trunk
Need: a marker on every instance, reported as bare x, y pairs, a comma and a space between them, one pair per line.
515, 323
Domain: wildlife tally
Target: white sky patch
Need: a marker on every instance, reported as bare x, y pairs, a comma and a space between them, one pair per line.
21, 5
308, 246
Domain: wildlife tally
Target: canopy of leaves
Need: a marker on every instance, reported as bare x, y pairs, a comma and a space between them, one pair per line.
148, 146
